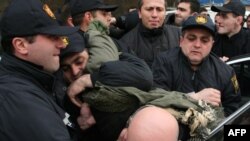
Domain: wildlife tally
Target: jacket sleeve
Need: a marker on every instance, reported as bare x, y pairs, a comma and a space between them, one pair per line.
27, 116
128, 71
162, 73
231, 96
101, 47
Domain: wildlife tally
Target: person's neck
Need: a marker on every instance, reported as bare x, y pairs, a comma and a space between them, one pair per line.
151, 32
84, 27
194, 67
235, 31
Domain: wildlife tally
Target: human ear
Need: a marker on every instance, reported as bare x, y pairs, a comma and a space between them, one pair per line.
20, 45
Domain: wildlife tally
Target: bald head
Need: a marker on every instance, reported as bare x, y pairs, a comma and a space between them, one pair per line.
153, 124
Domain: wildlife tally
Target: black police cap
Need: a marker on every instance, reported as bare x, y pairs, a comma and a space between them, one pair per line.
31, 17
234, 6
199, 21
80, 6
76, 44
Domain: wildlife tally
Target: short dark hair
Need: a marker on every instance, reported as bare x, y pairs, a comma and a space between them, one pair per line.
7, 43
194, 5
77, 19
64, 14
140, 3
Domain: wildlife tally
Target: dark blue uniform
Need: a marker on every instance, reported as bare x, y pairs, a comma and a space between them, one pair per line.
173, 72
28, 110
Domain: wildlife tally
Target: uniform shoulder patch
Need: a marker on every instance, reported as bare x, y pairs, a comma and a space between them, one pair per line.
48, 11
235, 83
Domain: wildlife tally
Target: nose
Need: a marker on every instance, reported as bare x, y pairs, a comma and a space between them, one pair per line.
219, 19
177, 12
75, 69
154, 13
197, 44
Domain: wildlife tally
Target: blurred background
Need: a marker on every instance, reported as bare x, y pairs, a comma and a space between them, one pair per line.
124, 5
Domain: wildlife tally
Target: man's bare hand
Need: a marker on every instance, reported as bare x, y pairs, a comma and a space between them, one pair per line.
209, 95
86, 119
77, 87
224, 58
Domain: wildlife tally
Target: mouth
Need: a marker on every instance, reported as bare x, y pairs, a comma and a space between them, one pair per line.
195, 52
56, 54
153, 22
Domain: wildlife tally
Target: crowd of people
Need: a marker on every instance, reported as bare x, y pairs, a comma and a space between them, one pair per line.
84, 75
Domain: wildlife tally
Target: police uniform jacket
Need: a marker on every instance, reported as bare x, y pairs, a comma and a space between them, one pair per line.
146, 44
236, 45
172, 72
28, 109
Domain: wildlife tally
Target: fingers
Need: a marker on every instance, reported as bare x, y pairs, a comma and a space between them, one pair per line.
77, 87
210, 95
86, 119
73, 90
76, 101
85, 110
224, 58
213, 101
85, 123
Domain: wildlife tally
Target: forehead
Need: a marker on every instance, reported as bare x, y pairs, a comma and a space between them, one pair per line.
153, 3
72, 57
223, 14
102, 11
184, 5
198, 31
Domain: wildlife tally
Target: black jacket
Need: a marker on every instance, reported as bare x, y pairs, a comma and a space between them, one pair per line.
172, 71
146, 44
128, 71
28, 108
236, 45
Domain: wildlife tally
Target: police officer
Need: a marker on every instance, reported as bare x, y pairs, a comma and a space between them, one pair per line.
83, 12
232, 39
31, 39
191, 68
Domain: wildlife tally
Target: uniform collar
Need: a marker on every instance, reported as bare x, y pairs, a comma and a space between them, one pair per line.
22, 68
150, 32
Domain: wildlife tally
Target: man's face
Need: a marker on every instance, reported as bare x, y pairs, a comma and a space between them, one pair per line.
196, 44
103, 16
152, 13
45, 51
73, 66
227, 23
182, 13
